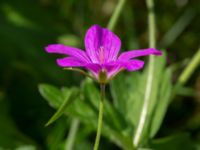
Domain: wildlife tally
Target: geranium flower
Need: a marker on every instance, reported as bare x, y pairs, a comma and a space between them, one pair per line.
101, 57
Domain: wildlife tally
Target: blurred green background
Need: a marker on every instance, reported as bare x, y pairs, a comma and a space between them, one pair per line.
27, 26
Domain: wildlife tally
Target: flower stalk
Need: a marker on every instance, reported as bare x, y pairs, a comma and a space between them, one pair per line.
100, 118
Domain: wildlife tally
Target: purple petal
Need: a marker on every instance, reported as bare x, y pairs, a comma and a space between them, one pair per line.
114, 67
133, 65
137, 53
71, 51
101, 44
94, 68
70, 62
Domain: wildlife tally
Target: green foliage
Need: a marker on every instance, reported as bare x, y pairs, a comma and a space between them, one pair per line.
162, 104
123, 109
66, 96
26, 147
55, 137
175, 142
130, 102
121, 118
52, 94
25, 31
115, 127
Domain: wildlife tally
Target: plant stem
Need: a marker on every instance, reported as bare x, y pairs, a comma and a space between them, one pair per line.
151, 23
72, 134
116, 14
148, 90
190, 68
100, 118
111, 25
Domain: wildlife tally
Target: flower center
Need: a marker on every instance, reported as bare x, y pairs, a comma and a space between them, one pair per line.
103, 76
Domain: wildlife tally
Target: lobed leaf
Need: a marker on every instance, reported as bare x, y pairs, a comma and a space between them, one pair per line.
181, 141
73, 93
52, 94
162, 102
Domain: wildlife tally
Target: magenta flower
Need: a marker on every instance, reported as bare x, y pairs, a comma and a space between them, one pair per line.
101, 55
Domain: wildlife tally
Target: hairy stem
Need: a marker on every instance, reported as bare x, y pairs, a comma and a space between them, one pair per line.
148, 89
100, 118
116, 14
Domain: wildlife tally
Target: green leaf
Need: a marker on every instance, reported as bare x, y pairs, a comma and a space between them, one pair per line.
60, 99
55, 137
185, 91
163, 100
82, 110
52, 94
26, 147
91, 94
114, 126
144, 101
122, 91
154, 100
176, 142
67, 100
118, 138
111, 115
127, 96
